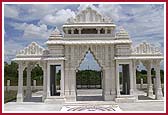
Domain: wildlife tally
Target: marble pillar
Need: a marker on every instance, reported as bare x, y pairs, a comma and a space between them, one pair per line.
158, 91
44, 81
149, 81
117, 80
20, 84
28, 83
108, 90
131, 90
62, 79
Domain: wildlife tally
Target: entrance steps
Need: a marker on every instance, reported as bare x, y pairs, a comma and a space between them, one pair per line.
126, 99
55, 100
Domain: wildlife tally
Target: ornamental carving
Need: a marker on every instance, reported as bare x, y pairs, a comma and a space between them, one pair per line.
89, 15
32, 49
146, 48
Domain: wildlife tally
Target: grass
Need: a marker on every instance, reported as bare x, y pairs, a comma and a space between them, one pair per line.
9, 95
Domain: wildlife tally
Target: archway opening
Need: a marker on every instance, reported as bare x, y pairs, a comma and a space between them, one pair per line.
55, 77
33, 83
89, 79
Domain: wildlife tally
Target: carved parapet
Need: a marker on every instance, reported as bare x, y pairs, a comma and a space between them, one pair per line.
32, 49
146, 48
89, 15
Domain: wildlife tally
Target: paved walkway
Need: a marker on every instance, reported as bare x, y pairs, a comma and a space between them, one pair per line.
146, 104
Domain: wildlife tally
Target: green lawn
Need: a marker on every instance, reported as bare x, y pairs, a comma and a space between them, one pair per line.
10, 95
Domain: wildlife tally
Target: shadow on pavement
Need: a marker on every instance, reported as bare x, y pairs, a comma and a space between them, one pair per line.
89, 98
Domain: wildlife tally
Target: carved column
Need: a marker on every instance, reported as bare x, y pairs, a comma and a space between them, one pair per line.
111, 30
149, 79
117, 79
66, 30
135, 63
79, 29
131, 79
20, 82
62, 79
98, 30
72, 30
44, 80
105, 30
48, 80
158, 90
28, 91
108, 91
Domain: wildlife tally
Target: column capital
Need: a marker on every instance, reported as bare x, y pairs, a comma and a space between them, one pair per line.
98, 28
42, 64
79, 28
22, 65
147, 63
72, 28
157, 62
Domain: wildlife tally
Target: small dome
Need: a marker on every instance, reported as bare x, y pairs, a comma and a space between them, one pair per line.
122, 34
122, 30
56, 32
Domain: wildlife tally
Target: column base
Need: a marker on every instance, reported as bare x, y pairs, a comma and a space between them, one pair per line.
150, 94
44, 97
150, 91
159, 94
131, 92
70, 96
126, 99
109, 95
19, 98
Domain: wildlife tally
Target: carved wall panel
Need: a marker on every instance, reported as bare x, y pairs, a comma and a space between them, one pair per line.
75, 55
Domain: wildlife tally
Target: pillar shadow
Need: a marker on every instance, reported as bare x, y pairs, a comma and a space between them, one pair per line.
33, 99
89, 98
143, 97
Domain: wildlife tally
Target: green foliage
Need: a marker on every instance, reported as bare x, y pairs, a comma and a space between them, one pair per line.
88, 77
10, 72
9, 96
83, 77
143, 74
37, 74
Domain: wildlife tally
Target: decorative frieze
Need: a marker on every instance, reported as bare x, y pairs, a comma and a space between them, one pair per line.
89, 16
146, 48
32, 49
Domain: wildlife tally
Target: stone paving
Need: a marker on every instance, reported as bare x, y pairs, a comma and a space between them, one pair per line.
84, 104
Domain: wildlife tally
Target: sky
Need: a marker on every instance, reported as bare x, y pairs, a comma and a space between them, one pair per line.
24, 23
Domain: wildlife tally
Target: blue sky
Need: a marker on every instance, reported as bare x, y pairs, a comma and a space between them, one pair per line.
24, 23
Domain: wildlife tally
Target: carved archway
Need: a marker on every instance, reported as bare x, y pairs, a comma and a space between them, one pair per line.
83, 55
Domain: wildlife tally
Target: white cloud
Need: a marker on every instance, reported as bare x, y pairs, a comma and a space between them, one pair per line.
110, 10
33, 31
58, 18
29, 12
84, 6
10, 11
10, 49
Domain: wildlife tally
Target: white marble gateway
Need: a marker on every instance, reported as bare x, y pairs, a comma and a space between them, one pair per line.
89, 31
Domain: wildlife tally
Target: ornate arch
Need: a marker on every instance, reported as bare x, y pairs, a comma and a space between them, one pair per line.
83, 55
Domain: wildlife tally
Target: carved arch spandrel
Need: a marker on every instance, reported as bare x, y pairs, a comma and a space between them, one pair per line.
82, 51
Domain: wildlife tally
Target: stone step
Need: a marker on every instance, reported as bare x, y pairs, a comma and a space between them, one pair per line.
55, 100
126, 96
125, 100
